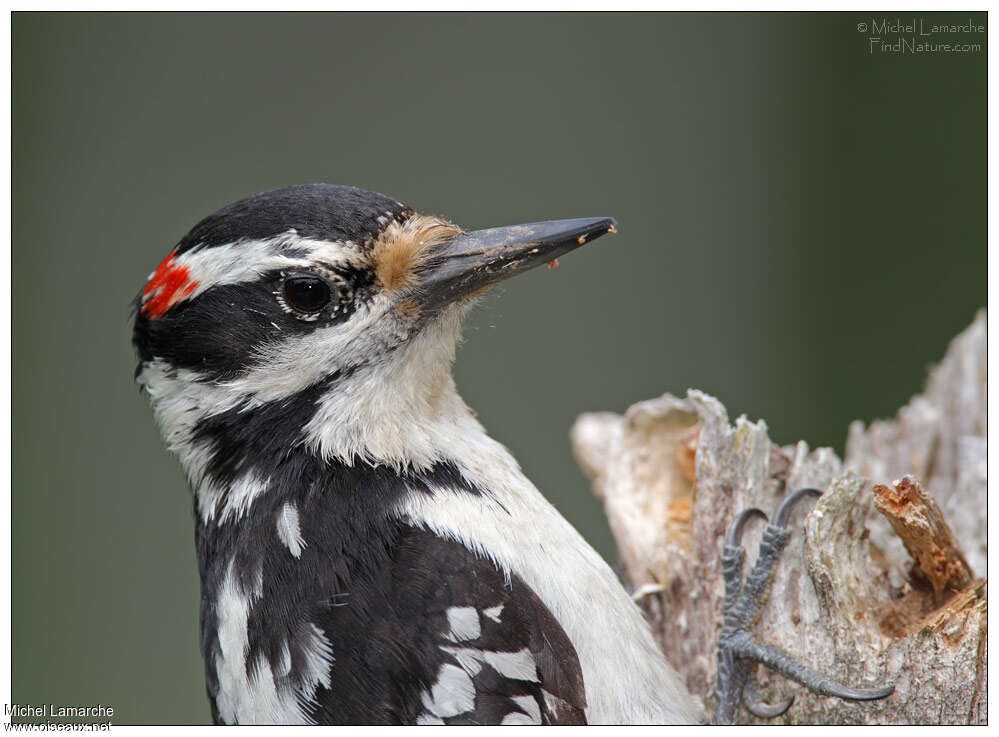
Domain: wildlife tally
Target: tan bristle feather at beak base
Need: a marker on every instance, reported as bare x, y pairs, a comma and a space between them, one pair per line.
402, 247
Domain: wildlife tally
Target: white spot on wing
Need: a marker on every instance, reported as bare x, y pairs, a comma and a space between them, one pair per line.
428, 719
467, 658
531, 715
464, 623
515, 718
494, 612
452, 694
288, 529
529, 705
519, 665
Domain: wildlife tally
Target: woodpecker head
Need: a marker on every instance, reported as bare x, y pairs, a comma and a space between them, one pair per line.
327, 315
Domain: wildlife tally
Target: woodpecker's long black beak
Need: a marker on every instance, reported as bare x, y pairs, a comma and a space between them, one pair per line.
473, 261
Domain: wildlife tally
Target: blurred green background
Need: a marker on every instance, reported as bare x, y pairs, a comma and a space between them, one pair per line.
803, 229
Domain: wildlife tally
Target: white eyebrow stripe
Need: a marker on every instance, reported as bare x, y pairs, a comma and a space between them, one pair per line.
246, 260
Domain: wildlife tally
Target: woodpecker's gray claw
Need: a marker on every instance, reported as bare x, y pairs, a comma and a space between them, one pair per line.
735, 531
766, 711
787, 506
784, 664
738, 650
754, 703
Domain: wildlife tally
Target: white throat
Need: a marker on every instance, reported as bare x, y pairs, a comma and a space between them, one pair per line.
403, 411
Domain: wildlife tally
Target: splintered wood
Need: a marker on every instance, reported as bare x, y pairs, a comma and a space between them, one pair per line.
875, 586
917, 520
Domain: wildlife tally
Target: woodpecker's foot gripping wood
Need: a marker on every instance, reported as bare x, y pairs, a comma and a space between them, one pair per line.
739, 651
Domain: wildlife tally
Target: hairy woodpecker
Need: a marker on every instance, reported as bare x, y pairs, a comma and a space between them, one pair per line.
368, 554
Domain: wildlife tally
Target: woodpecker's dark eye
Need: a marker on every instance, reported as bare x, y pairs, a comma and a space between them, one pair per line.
306, 293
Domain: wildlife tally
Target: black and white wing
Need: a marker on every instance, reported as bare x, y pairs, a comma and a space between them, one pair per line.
442, 636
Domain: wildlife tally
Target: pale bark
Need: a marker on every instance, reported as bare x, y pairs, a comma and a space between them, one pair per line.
848, 598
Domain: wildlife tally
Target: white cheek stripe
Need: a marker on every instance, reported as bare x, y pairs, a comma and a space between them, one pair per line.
287, 365
180, 400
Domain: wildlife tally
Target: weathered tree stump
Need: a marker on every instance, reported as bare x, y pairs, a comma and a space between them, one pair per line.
869, 599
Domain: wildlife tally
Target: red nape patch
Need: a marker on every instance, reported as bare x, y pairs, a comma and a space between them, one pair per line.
169, 284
